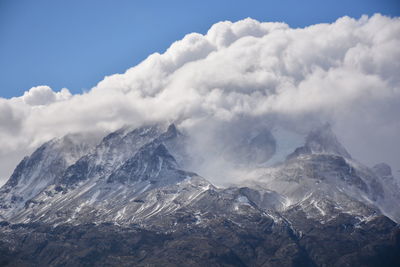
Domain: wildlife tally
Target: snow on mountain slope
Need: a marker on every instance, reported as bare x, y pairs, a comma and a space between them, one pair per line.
112, 152
321, 184
326, 184
138, 175
41, 169
312, 208
111, 180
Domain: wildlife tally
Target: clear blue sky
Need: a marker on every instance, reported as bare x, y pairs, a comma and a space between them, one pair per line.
75, 43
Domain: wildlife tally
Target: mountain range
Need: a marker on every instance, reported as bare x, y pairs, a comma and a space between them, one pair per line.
137, 198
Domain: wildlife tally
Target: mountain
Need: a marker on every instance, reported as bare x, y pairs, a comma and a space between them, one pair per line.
132, 200
40, 170
321, 140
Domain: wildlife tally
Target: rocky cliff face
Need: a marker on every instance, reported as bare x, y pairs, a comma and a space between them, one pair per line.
131, 200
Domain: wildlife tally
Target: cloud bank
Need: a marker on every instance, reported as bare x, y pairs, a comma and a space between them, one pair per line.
346, 73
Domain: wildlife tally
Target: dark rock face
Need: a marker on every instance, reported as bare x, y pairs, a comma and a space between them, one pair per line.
345, 241
260, 242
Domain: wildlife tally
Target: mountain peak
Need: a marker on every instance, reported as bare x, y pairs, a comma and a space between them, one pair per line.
172, 128
41, 169
171, 131
321, 140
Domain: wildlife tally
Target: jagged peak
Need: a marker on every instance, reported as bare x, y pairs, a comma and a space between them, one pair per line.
321, 140
125, 132
172, 129
147, 162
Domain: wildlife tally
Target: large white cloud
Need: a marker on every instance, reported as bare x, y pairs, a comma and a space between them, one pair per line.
346, 72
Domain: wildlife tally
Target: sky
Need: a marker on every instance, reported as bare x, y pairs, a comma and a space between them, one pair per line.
221, 71
75, 44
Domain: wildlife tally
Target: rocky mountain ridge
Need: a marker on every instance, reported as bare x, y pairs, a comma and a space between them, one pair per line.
298, 212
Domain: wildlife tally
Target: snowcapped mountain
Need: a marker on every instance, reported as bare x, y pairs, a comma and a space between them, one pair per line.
40, 170
295, 206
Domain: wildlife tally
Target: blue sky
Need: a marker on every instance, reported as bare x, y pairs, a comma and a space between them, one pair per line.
74, 44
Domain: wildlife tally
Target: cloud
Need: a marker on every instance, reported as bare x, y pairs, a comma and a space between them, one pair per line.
44, 95
345, 72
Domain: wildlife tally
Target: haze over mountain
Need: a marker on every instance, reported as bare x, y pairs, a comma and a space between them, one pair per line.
230, 85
